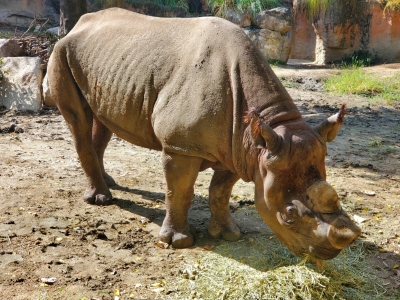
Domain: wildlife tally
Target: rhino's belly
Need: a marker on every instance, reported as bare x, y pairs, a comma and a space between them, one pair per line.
140, 136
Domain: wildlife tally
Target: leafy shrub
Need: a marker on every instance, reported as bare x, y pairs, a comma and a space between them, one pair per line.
220, 7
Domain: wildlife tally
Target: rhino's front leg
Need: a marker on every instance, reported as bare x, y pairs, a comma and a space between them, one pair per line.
221, 222
180, 173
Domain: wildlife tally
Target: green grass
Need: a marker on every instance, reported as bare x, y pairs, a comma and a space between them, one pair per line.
357, 81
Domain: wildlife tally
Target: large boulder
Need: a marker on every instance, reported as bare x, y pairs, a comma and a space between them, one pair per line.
20, 87
277, 19
273, 33
10, 48
242, 19
273, 45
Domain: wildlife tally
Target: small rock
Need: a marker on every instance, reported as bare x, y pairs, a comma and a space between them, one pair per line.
369, 193
359, 219
234, 205
49, 280
53, 30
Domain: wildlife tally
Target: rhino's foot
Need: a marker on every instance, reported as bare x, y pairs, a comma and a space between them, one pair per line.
178, 239
228, 230
109, 180
97, 198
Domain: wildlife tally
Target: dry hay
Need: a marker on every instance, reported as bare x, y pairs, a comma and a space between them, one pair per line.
263, 268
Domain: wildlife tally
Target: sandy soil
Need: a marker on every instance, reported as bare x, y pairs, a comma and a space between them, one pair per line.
47, 231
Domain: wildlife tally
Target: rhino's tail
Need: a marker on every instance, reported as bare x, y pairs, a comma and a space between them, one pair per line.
47, 99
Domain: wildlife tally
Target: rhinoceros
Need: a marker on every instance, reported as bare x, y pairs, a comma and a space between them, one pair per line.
201, 92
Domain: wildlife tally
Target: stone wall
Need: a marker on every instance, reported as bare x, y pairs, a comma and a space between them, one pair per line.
347, 27
384, 37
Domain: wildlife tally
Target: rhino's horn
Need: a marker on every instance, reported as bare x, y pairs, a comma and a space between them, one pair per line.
329, 128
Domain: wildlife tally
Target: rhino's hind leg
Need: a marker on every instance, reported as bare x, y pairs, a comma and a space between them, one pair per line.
79, 118
180, 173
101, 135
221, 222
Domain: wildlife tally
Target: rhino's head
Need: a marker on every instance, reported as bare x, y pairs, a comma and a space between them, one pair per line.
292, 196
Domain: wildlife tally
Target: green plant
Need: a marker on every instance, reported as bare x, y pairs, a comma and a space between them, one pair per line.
391, 4
220, 7
6, 35
360, 58
314, 8
375, 143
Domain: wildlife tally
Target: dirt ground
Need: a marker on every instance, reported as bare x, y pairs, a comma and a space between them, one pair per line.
48, 231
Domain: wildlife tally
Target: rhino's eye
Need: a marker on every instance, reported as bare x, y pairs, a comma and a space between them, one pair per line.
290, 214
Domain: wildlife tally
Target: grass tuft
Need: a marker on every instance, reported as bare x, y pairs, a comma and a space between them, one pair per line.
359, 82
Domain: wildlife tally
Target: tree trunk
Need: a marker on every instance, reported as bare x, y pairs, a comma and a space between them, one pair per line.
70, 12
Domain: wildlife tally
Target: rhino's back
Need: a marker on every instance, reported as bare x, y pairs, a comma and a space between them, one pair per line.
178, 84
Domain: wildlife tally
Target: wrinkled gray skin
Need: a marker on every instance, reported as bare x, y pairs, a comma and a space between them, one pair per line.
183, 86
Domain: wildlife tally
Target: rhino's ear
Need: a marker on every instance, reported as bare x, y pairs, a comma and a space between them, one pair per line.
329, 128
263, 135
255, 128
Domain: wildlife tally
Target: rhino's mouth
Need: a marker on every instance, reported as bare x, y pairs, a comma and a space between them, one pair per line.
323, 253
322, 250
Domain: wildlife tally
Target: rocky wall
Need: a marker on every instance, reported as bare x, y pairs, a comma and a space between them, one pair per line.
347, 27
22, 12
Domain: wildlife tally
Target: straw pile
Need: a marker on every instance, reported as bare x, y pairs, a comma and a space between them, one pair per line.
264, 269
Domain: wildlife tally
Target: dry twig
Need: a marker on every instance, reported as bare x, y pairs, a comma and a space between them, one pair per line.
40, 43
